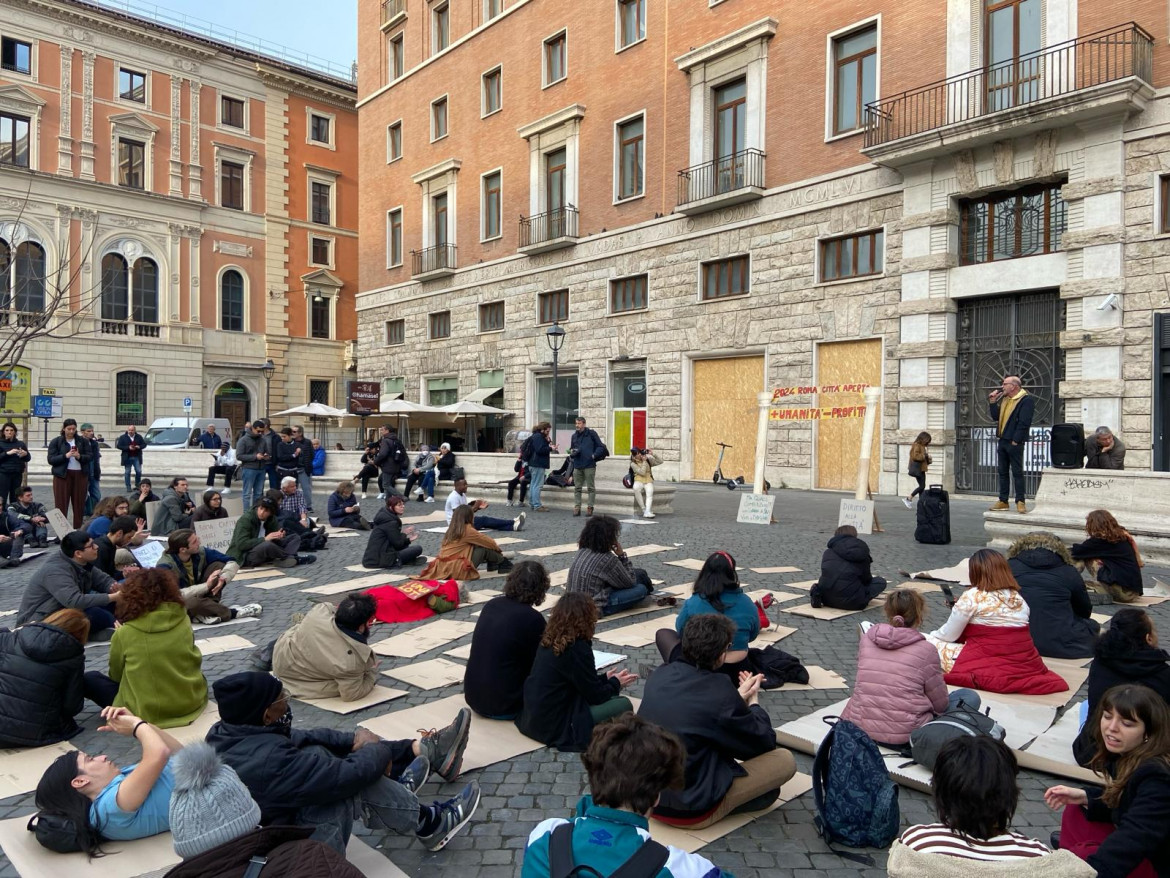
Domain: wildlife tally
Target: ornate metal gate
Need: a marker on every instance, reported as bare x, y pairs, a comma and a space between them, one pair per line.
1006, 335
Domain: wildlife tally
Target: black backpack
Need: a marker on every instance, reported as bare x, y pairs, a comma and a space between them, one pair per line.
928, 739
646, 862
399, 455
934, 516
526, 450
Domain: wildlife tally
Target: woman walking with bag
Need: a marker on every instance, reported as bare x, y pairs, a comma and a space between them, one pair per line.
920, 461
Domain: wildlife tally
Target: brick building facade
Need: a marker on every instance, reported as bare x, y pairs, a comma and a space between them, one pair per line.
714, 199
159, 186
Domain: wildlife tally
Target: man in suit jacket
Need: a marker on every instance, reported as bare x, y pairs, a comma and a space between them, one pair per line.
1012, 409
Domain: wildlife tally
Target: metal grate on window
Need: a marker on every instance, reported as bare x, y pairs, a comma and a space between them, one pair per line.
130, 398
319, 391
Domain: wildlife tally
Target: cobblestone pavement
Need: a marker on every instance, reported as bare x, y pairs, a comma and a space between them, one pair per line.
520, 792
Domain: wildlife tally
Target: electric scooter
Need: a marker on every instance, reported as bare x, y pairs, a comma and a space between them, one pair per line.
719, 477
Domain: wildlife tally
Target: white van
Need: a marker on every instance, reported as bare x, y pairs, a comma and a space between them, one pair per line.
184, 432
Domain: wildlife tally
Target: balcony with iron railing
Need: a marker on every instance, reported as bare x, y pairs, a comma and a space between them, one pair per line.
432, 262
392, 11
551, 230
1104, 73
721, 182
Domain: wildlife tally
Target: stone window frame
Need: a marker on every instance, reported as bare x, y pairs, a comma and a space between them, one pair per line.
619, 46
223, 126
332, 244
821, 241
483, 309
330, 294
134, 127
390, 263
23, 36
483, 205
1161, 219
435, 319
443, 99
331, 143
239, 269
498, 72
614, 281
702, 269
148, 76
327, 177
434, 181
562, 35
390, 157
617, 157
329, 382
546, 135
400, 322
831, 40
436, 9
395, 50
742, 54
239, 156
18, 101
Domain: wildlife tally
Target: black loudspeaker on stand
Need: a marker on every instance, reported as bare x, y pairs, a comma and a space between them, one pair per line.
1068, 446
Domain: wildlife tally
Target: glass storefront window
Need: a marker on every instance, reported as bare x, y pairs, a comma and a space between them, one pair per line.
628, 410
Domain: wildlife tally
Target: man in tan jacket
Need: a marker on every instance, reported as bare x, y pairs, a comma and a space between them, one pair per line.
325, 655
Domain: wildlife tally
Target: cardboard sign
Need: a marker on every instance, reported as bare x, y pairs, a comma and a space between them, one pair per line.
858, 513
216, 534
149, 553
755, 508
59, 523
416, 589
151, 512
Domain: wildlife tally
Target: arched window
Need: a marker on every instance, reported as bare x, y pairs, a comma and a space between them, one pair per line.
144, 291
231, 301
115, 288
28, 283
130, 398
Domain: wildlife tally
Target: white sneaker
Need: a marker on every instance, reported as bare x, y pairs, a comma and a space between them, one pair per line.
247, 611
907, 503
382, 496
226, 491
518, 521
420, 493
207, 620
429, 500
647, 514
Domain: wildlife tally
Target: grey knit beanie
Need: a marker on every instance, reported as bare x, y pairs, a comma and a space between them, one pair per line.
209, 804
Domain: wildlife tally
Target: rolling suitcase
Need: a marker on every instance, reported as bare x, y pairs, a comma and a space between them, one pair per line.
934, 516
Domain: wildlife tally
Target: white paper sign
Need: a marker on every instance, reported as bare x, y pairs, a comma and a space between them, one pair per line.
151, 512
755, 508
216, 534
149, 553
858, 513
59, 523
602, 660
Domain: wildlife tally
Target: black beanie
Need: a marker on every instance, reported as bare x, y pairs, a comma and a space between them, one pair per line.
243, 698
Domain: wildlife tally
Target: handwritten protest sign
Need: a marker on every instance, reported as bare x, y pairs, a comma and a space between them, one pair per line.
755, 508
858, 513
149, 553
58, 523
216, 534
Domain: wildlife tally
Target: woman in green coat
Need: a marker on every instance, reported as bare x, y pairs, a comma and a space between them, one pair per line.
153, 657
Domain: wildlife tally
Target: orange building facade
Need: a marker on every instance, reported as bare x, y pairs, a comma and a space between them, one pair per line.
719, 198
193, 207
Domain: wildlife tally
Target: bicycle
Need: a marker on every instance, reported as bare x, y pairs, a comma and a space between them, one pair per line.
718, 477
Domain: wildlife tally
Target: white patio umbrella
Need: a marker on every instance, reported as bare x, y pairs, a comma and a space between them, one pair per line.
315, 410
469, 409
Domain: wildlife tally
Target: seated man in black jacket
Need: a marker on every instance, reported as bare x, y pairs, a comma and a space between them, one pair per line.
122, 531
323, 778
846, 582
718, 725
390, 546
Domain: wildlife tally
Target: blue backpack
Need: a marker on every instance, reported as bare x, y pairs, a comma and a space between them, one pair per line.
857, 803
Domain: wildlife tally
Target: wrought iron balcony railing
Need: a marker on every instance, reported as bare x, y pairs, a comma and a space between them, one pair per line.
541, 228
392, 8
441, 257
722, 176
1064, 69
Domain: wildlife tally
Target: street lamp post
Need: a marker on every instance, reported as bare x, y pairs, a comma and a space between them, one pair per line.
267, 370
555, 338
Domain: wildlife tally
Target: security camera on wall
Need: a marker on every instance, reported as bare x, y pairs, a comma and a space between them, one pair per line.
1112, 303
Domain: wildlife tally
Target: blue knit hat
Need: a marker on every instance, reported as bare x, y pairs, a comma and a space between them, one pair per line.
210, 805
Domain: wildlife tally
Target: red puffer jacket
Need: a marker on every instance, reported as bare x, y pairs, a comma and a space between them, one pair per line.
899, 684
997, 659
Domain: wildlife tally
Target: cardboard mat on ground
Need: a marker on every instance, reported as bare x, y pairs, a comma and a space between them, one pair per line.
21, 768
546, 551
1051, 752
775, 570
430, 636
125, 859
827, 614
227, 643
489, 741
691, 840
370, 862
433, 674
959, 574
279, 582
818, 678
378, 695
362, 583
198, 728
648, 549
687, 564
259, 573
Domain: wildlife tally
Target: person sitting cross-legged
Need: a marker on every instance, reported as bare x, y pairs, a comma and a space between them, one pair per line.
176, 508
603, 571
975, 797
390, 545
719, 725
30, 518
326, 654
630, 763
215, 825
102, 802
258, 539
565, 696
846, 582
323, 778
210, 508
344, 510
70, 578
203, 574
503, 646
463, 549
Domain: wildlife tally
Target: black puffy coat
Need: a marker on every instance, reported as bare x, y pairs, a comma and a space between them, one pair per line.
41, 674
845, 573
1059, 604
386, 540
1149, 666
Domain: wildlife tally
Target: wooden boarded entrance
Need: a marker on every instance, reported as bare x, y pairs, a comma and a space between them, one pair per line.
725, 410
838, 440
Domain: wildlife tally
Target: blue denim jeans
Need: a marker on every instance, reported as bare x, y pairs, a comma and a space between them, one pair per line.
305, 483
486, 522
624, 598
537, 475
136, 465
428, 483
93, 495
253, 486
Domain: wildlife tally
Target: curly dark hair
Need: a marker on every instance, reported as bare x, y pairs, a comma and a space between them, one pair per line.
146, 590
630, 761
1101, 524
600, 534
573, 618
528, 583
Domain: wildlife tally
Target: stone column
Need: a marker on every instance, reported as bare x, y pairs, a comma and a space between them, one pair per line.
87, 144
65, 135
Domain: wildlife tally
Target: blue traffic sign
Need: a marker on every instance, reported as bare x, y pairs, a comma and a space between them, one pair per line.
42, 406
186, 402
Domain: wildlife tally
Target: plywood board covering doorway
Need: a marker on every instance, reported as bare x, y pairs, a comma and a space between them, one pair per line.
725, 410
838, 440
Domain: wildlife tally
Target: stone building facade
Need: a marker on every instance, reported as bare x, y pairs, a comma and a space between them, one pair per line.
987, 215
156, 196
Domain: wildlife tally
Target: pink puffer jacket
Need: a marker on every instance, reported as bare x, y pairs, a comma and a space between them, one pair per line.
899, 684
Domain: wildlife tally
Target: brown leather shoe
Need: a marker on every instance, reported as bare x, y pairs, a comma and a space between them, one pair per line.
1022, 509
999, 506
577, 511
588, 511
